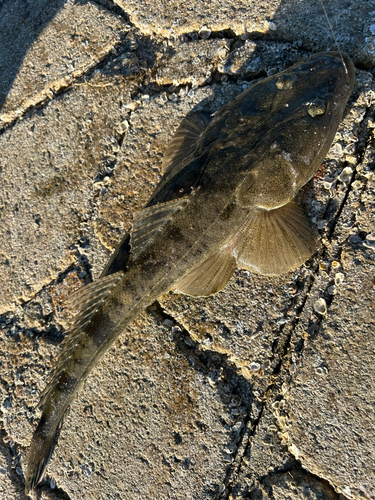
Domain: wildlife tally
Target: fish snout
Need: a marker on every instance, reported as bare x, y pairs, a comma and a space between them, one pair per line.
346, 61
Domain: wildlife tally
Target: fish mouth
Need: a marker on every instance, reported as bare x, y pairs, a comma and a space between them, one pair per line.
348, 63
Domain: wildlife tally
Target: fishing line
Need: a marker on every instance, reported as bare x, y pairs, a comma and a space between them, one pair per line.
334, 36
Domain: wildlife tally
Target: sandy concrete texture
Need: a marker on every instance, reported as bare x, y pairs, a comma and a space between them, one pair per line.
36, 63
350, 22
264, 391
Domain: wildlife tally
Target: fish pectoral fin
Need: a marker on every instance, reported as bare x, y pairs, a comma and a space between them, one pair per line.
148, 221
210, 277
184, 141
276, 241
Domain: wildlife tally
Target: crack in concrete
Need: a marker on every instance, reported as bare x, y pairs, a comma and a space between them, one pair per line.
309, 475
59, 87
250, 428
13, 471
114, 8
360, 157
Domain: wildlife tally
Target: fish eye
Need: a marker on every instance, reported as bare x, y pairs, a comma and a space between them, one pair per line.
285, 82
316, 107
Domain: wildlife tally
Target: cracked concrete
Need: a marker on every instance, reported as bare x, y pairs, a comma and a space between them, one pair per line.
264, 391
39, 68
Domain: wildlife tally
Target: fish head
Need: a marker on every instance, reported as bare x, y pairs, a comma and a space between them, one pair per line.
298, 113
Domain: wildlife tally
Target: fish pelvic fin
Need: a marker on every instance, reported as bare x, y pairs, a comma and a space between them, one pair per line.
210, 277
273, 242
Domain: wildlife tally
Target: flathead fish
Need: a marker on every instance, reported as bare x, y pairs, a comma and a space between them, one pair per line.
226, 199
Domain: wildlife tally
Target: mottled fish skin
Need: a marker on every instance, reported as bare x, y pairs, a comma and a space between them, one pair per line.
226, 198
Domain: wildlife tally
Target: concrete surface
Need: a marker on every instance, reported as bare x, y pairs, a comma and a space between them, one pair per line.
265, 391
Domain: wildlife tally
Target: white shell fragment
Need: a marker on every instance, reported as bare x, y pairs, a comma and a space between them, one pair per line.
330, 185
324, 266
272, 26
204, 32
254, 367
339, 278
321, 370
346, 175
320, 306
336, 150
131, 106
124, 126
369, 242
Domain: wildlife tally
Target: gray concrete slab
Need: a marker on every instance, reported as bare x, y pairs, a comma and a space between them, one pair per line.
46, 45
303, 24
58, 156
327, 418
248, 394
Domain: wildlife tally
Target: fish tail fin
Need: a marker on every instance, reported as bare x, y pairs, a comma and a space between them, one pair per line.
41, 448
79, 354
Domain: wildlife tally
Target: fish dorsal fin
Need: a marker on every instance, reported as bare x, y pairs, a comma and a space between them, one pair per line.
210, 277
273, 242
184, 141
148, 221
86, 301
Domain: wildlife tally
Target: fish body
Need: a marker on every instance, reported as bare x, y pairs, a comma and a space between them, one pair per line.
226, 199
